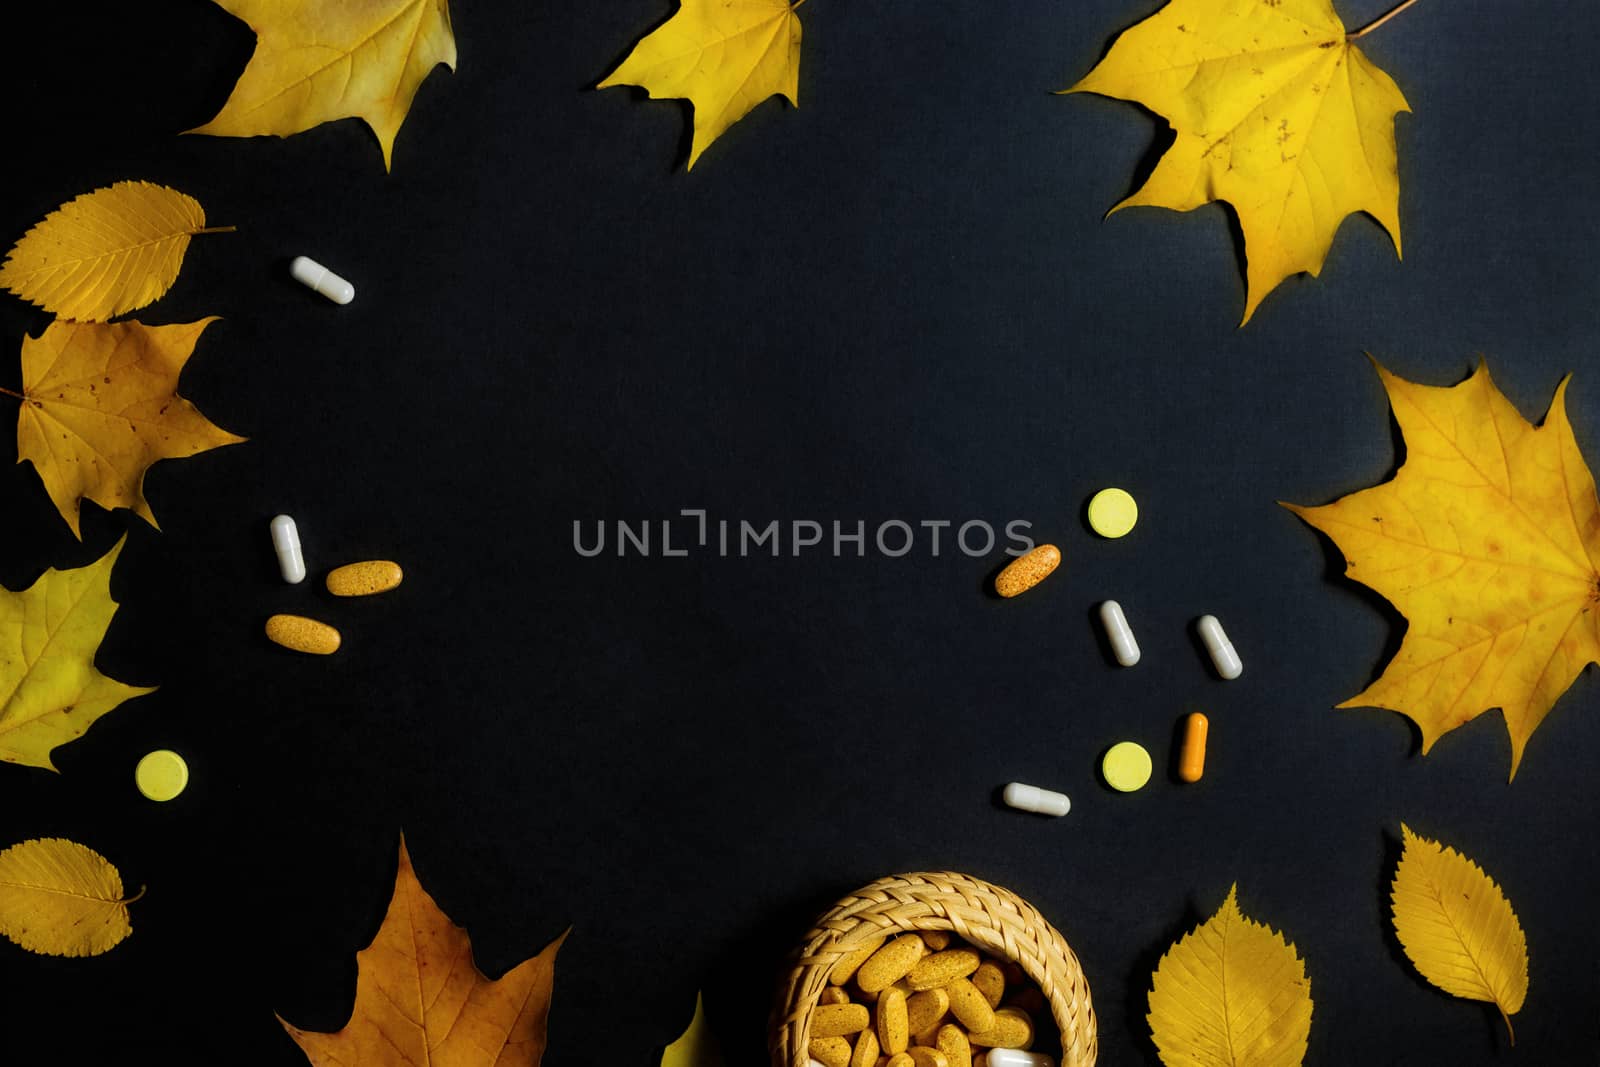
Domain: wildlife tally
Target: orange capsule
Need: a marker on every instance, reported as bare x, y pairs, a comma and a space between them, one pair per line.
1192, 758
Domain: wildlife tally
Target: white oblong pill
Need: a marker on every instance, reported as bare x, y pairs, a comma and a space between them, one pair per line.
1223, 656
1032, 798
286, 542
1119, 633
313, 275
1015, 1057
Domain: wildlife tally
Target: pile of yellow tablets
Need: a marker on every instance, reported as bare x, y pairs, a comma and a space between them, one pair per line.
922, 1000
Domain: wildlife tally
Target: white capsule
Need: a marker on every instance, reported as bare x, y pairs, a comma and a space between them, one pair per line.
1119, 633
313, 275
1015, 1057
1223, 657
286, 542
1032, 798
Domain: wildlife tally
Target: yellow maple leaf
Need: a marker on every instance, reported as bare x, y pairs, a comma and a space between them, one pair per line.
723, 56
695, 1047
50, 691
99, 406
59, 898
1275, 112
316, 61
1457, 927
1487, 541
421, 1000
106, 252
1230, 993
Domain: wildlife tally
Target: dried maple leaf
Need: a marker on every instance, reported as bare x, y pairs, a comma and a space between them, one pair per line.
1230, 994
420, 999
723, 56
1487, 541
1458, 928
99, 406
50, 691
58, 898
1275, 112
315, 62
106, 252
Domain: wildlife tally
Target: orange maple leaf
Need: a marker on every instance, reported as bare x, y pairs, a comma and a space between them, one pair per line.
421, 1000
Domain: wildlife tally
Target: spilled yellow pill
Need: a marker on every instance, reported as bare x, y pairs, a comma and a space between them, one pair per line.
1126, 766
1027, 570
303, 635
364, 578
161, 775
1112, 512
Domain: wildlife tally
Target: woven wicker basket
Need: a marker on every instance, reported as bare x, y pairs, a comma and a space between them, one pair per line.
986, 915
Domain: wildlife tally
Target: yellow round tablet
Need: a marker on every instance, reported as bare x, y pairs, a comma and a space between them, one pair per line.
161, 775
1112, 512
1126, 766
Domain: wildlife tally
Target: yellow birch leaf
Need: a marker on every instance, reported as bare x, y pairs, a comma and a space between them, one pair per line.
99, 406
106, 252
1231, 993
420, 999
1488, 541
50, 691
1458, 928
723, 56
317, 61
695, 1047
58, 898
1275, 111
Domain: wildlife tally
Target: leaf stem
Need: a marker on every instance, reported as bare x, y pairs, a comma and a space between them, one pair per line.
220, 229
10, 392
140, 894
1380, 20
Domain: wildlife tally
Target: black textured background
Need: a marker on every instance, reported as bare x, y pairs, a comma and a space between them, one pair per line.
898, 301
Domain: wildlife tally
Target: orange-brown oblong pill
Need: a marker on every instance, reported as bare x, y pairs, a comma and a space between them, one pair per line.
364, 578
303, 635
968, 1006
1192, 757
894, 1026
839, 1020
830, 1051
1027, 570
890, 963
